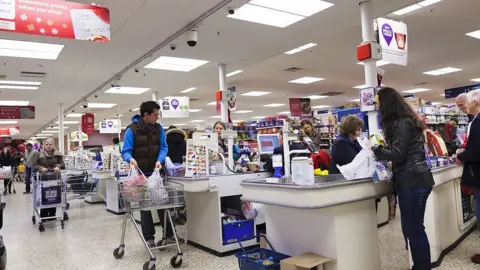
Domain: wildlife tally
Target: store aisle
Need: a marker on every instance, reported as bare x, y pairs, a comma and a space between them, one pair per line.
91, 235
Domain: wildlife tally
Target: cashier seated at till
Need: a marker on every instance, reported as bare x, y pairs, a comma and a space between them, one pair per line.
346, 145
294, 145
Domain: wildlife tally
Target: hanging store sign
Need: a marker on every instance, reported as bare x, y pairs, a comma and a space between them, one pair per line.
393, 39
175, 107
9, 131
232, 99
88, 123
17, 112
75, 136
56, 18
300, 107
110, 126
455, 92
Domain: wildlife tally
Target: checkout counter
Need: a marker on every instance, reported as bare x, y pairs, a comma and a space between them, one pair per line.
336, 218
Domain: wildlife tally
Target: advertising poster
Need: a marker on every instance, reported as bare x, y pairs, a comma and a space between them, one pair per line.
468, 207
9, 131
75, 136
300, 107
367, 96
232, 98
88, 123
17, 112
393, 39
55, 18
175, 107
110, 126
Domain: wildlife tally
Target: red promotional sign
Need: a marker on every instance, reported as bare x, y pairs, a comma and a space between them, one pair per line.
88, 123
55, 18
300, 107
9, 131
17, 112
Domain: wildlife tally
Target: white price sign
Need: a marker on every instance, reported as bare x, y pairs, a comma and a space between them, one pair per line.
174, 107
393, 38
110, 126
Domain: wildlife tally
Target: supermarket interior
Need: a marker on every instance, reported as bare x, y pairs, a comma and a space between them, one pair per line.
149, 134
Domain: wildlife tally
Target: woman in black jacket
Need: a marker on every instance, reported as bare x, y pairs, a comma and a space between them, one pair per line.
346, 147
6, 160
413, 180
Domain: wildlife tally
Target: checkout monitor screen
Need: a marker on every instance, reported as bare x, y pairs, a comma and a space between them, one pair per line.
267, 143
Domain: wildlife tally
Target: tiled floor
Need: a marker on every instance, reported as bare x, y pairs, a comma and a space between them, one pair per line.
91, 235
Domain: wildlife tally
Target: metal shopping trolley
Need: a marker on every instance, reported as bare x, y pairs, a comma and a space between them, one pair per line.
80, 184
49, 191
6, 174
136, 198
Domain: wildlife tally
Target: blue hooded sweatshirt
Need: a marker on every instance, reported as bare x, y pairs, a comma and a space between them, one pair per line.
129, 141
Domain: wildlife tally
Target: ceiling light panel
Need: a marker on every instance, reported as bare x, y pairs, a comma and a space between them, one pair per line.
197, 121
127, 90
24, 49
14, 103
19, 83
415, 7
242, 111
136, 110
258, 117
234, 73
303, 8
68, 122
475, 80
355, 100
379, 63
8, 122
474, 34
188, 90
416, 90
255, 94
301, 48
320, 107
75, 115
212, 103
274, 105
216, 116
261, 15
442, 71
176, 64
18, 87
306, 80
101, 105
285, 112
316, 97
195, 110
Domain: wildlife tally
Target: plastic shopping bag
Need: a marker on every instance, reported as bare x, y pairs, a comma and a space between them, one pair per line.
134, 185
382, 172
157, 191
253, 210
6, 172
362, 166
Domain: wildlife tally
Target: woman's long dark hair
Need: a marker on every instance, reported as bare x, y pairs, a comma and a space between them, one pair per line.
392, 108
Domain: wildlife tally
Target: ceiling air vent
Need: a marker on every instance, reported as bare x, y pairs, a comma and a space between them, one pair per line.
37, 75
293, 69
331, 94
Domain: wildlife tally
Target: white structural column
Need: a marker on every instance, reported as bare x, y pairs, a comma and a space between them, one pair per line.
368, 35
222, 75
80, 135
61, 130
155, 96
68, 143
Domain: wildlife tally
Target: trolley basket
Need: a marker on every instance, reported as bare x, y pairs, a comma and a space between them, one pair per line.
253, 259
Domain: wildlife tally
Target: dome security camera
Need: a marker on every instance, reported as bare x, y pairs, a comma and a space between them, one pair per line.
85, 104
231, 11
173, 47
136, 70
96, 96
192, 37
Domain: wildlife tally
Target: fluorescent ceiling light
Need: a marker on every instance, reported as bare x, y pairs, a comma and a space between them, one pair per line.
304, 8
442, 71
24, 49
306, 80
355, 100
216, 116
49, 131
415, 7
301, 48
127, 90
56, 128
14, 103
360, 86
416, 90
68, 122
195, 110
242, 111
197, 121
379, 63
8, 122
179, 125
212, 103
316, 97
255, 94
136, 109
176, 64
45, 134
474, 34
19, 87
261, 15
188, 90
274, 105
234, 73
258, 117
436, 103
20, 82
75, 115
475, 80
285, 112
101, 105
320, 106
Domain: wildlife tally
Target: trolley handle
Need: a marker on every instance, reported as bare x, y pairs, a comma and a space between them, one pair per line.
256, 236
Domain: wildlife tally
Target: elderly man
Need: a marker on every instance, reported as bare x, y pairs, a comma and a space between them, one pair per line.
470, 156
461, 102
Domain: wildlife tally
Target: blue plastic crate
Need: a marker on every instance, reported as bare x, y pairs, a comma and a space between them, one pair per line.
250, 260
236, 231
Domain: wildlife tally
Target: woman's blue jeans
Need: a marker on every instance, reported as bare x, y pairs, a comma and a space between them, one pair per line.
412, 204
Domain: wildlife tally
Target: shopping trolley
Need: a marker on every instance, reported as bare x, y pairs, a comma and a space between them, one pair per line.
80, 185
49, 191
168, 197
6, 173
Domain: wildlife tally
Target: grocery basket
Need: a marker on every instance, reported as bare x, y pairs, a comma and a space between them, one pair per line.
49, 191
253, 259
80, 184
138, 198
